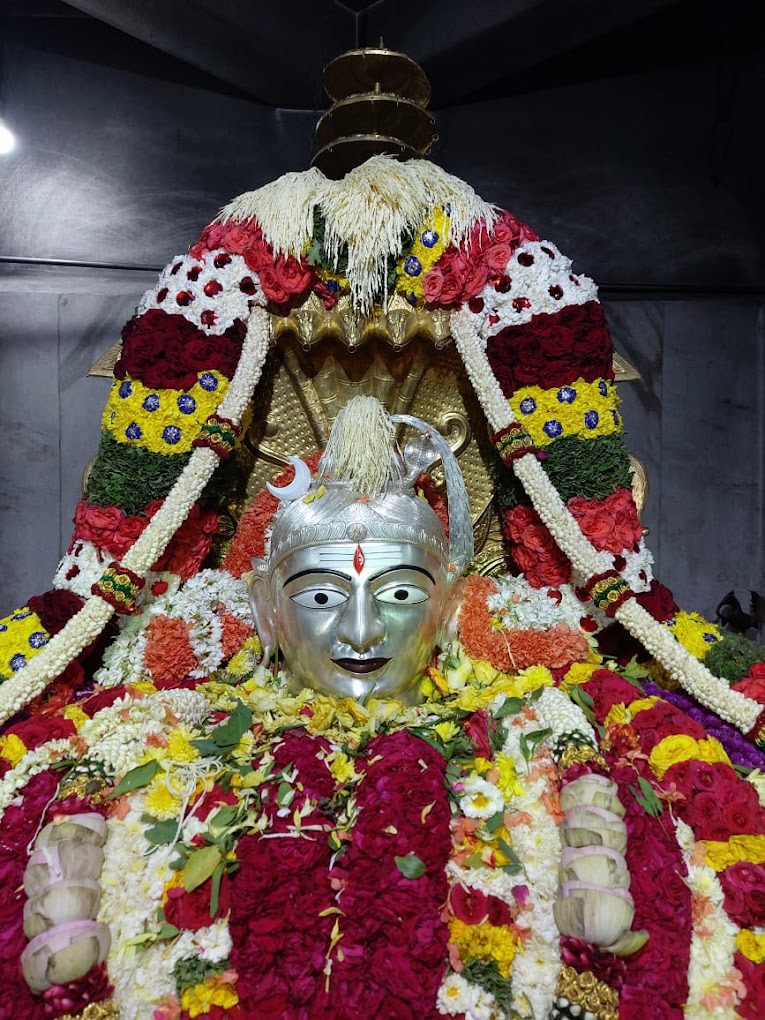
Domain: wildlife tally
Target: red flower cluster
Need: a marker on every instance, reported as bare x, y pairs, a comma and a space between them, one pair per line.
162, 350
553, 349
113, 531
744, 888
656, 978
717, 803
533, 548
394, 944
753, 1006
664, 720
752, 685
611, 524
55, 608
460, 274
20, 823
281, 888
282, 277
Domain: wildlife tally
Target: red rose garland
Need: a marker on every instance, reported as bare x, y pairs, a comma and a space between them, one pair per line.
279, 894
394, 942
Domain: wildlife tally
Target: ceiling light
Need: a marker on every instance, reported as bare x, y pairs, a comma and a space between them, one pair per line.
7, 139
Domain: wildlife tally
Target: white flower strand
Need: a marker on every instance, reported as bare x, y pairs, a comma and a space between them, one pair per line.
32, 763
713, 943
95, 614
695, 678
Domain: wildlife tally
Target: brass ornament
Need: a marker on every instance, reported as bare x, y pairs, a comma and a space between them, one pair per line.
586, 991
579, 754
106, 1010
379, 98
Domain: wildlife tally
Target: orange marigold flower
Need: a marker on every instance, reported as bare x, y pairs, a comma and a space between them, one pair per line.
234, 634
169, 654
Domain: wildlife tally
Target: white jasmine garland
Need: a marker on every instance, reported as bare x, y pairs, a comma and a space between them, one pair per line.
557, 712
228, 306
85, 627
711, 972
537, 962
520, 606
547, 284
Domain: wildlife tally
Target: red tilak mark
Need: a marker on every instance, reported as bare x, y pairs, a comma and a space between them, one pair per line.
358, 559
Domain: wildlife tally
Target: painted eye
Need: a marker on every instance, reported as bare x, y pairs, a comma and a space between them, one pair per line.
402, 594
319, 598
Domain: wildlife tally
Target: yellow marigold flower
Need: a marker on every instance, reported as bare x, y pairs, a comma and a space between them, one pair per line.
579, 673
694, 633
179, 745
323, 713
351, 713
643, 704
485, 942
534, 677
22, 635
161, 420
680, 747
428, 247
447, 730
341, 767
582, 409
751, 945
244, 749
470, 700
75, 714
485, 673
738, 848
617, 713
12, 748
161, 801
199, 998
508, 783
246, 659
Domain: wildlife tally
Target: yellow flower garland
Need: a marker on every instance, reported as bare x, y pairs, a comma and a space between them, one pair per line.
430, 242
694, 633
680, 747
582, 409
720, 855
22, 636
161, 420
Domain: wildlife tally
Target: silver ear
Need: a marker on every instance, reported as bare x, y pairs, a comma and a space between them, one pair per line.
263, 608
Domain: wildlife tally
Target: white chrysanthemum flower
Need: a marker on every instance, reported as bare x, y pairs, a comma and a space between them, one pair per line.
456, 995
481, 799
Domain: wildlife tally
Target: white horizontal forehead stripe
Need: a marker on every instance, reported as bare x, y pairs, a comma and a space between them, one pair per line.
373, 555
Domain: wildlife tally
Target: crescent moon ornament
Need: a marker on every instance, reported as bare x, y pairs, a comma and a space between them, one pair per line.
299, 485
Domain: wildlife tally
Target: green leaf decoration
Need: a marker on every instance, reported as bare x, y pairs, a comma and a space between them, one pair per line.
228, 734
215, 890
493, 823
225, 816
410, 866
162, 833
200, 866
135, 779
647, 799
207, 748
511, 706
530, 741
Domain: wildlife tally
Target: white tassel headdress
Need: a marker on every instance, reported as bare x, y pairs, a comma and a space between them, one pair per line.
370, 210
364, 488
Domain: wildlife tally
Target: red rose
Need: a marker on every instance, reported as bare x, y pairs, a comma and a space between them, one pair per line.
432, 284
239, 236
534, 550
553, 349
191, 543
96, 524
293, 276
744, 887
752, 686
753, 1006
39, 730
271, 284
658, 601
477, 728
191, 910
55, 608
211, 239
451, 288
497, 257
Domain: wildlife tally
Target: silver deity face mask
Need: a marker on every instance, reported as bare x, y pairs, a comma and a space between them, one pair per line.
359, 619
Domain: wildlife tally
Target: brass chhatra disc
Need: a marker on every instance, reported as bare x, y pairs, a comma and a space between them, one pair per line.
378, 113
359, 71
338, 158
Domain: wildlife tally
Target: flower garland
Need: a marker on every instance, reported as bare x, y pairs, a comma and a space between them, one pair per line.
742, 712
90, 621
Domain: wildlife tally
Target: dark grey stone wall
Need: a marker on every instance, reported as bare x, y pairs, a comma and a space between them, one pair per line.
622, 174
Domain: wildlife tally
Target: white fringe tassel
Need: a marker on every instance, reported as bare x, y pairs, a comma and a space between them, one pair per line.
370, 210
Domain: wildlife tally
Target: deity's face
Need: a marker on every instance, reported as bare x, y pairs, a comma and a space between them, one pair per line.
353, 620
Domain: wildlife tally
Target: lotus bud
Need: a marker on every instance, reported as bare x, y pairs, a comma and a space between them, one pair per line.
628, 943
67, 900
596, 869
584, 792
66, 859
64, 954
84, 828
593, 913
